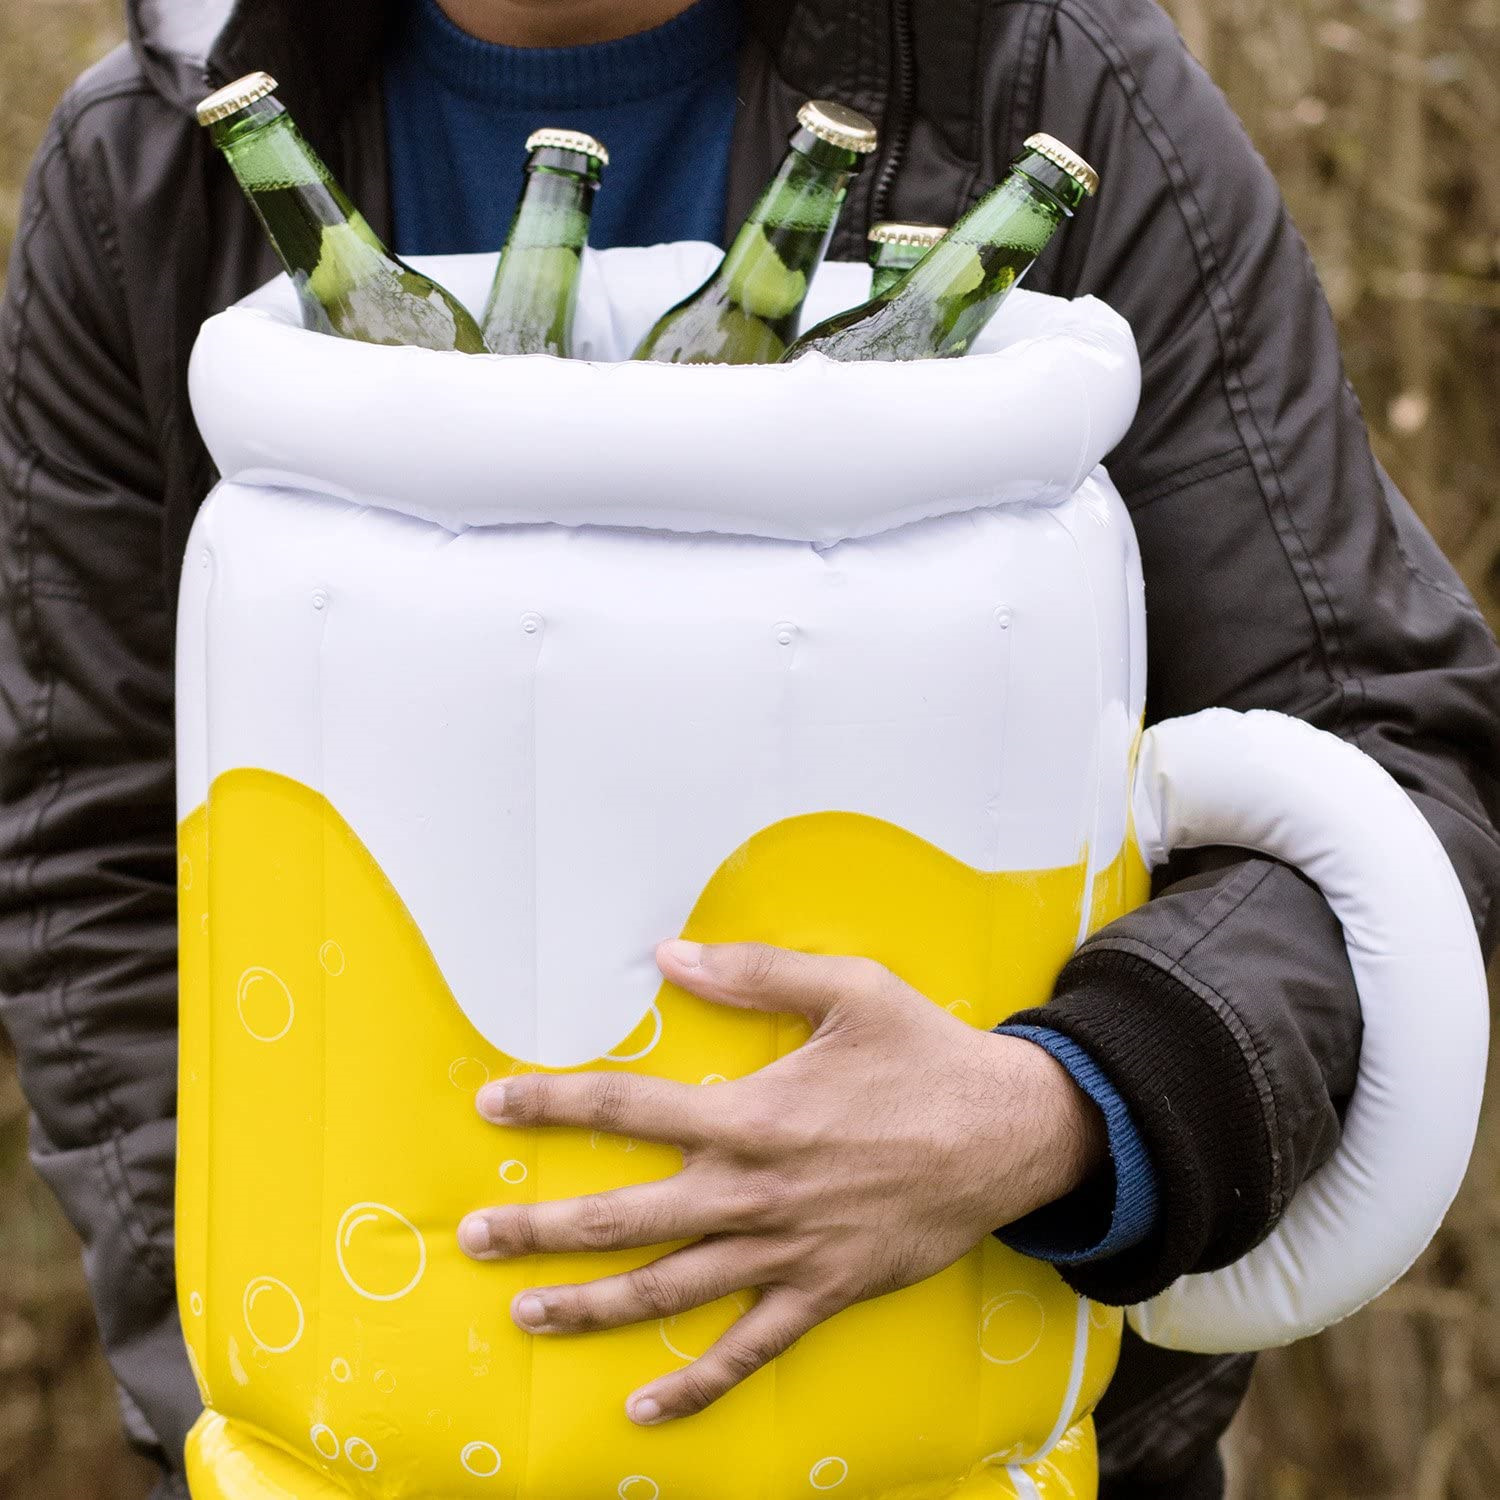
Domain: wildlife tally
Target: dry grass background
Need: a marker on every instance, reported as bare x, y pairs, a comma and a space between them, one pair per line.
1381, 118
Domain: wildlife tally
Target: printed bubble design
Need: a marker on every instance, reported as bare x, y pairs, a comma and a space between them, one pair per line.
690, 1335
641, 1042
381, 1253
599, 1141
265, 1004
828, 1473
468, 1075
361, 1455
274, 1317
331, 957
482, 1460
638, 1487
1011, 1328
325, 1442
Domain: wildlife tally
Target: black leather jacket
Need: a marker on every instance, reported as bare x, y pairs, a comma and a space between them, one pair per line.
1282, 570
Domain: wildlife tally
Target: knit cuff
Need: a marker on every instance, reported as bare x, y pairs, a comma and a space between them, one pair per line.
1117, 1208
1189, 1089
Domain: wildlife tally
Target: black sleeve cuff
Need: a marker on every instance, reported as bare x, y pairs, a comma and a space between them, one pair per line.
1192, 1095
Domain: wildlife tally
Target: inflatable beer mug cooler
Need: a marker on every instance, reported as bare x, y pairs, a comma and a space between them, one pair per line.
493, 673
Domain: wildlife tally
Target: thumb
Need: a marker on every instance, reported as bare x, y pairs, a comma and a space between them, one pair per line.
756, 976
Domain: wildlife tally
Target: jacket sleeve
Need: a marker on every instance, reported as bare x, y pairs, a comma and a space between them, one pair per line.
1284, 571
87, 922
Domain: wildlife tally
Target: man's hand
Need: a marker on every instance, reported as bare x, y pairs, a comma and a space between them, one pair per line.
874, 1156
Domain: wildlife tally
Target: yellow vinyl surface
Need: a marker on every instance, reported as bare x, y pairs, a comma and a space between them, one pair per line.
329, 1146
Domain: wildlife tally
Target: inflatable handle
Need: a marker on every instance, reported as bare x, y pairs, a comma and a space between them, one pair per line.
1271, 783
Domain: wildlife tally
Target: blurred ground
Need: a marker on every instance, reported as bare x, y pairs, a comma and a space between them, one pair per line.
1381, 118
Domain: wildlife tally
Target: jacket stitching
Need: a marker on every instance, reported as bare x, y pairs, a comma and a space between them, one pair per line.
102, 1106
23, 296
1458, 596
81, 99
63, 593
1214, 467
1041, 18
1226, 320
983, 49
103, 229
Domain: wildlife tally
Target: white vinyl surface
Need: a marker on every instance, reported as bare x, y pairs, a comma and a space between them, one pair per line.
550, 738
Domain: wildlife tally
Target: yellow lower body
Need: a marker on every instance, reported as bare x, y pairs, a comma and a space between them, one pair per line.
329, 1146
228, 1462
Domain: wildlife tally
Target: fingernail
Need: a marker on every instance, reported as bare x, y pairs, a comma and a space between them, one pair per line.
474, 1235
531, 1312
689, 955
645, 1410
492, 1101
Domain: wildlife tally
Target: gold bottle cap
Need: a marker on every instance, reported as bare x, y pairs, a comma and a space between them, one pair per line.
1066, 158
918, 236
234, 97
570, 140
839, 125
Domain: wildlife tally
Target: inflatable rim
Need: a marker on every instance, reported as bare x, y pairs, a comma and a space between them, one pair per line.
829, 460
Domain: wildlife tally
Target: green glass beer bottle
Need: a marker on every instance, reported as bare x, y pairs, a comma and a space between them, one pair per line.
896, 248
535, 291
347, 281
938, 309
747, 312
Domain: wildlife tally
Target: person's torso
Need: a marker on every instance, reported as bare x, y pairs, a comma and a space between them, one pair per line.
955, 84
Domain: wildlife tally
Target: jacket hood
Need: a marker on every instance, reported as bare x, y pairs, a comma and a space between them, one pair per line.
318, 50
173, 40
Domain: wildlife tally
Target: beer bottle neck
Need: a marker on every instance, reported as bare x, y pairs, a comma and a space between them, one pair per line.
772, 260
966, 277
1026, 210
304, 211
554, 210
534, 293
890, 263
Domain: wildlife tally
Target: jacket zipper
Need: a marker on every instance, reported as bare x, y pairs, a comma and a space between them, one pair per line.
903, 112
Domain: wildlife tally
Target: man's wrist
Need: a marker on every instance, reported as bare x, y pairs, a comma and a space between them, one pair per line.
1071, 1140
